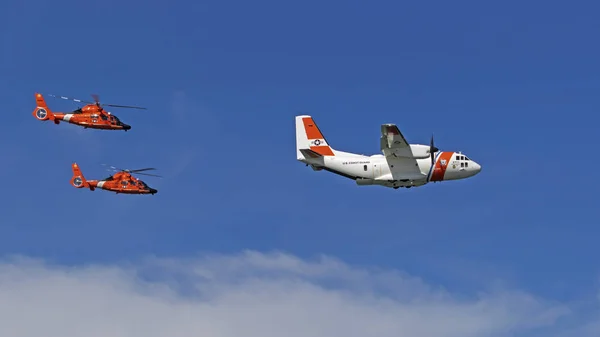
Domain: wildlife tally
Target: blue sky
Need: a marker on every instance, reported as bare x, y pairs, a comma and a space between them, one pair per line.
514, 86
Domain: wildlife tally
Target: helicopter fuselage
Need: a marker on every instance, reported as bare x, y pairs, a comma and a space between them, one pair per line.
121, 182
90, 116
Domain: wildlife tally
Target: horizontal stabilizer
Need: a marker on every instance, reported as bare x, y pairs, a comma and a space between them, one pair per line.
308, 153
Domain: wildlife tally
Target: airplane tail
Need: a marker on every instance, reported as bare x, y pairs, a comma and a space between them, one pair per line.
78, 180
41, 111
310, 142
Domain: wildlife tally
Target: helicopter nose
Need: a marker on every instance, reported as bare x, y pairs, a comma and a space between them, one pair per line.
152, 191
126, 127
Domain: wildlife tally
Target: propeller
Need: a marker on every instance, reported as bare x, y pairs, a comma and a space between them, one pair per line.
432, 151
97, 102
137, 171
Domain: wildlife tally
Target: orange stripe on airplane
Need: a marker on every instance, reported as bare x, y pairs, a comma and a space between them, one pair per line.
322, 150
312, 131
440, 170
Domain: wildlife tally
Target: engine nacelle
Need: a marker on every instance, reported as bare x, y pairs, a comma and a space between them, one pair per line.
420, 151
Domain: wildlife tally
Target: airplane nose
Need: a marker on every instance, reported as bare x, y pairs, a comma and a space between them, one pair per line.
476, 168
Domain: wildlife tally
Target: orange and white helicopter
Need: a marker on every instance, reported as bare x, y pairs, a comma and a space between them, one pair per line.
120, 182
92, 115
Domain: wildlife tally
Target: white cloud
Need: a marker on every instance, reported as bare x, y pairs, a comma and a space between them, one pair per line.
251, 294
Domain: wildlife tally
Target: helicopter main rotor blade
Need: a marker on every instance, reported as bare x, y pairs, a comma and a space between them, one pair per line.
148, 174
112, 167
116, 169
124, 106
97, 102
70, 99
141, 170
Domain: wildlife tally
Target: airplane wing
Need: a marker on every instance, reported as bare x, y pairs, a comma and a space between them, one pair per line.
399, 152
392, 142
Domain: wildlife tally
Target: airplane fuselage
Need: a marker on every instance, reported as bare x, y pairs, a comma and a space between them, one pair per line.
400, 165
396, 171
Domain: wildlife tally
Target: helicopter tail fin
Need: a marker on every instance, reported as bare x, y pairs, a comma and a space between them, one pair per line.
78, 180
41, 111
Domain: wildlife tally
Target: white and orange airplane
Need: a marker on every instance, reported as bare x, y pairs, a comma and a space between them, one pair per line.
401, 165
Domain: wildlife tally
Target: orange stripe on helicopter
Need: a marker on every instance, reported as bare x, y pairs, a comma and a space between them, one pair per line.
39, 99
440, 170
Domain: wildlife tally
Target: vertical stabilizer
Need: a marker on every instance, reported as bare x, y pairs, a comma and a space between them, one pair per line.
41, 111
309, 137
78, 180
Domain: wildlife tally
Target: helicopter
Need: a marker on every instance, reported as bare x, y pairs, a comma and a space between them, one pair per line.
92, 115
121, 182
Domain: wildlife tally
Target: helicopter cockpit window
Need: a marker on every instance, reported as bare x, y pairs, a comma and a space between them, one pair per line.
124, 183
104, 117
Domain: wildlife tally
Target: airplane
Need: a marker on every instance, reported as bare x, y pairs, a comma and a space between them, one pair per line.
401, 164
121, 182
92, 115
